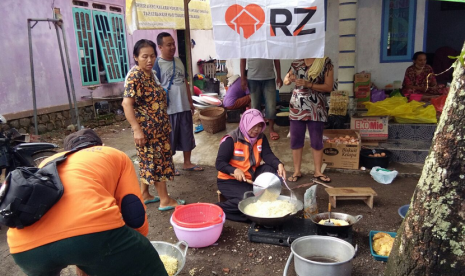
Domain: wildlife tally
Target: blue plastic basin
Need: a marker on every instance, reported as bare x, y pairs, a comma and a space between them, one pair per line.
403, 210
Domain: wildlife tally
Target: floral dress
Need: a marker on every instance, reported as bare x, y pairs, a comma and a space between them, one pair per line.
425, 79
307, 104
150, 106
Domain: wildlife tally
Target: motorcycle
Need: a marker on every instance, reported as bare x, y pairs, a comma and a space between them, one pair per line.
15, 154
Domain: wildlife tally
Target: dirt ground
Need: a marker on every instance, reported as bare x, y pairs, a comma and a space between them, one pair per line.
234, 254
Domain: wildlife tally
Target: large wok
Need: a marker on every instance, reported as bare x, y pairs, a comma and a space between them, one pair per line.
335, 230
269, 221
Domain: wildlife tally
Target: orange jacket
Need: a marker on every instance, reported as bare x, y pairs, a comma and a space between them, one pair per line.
245, 158
95, 182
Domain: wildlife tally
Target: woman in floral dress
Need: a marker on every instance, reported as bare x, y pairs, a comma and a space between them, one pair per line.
145, 107
420, 79
313, 78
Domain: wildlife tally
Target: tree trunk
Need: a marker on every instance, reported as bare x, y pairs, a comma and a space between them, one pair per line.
430, 240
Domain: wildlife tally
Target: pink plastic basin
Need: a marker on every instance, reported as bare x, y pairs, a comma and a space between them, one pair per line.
198, 237
415, 97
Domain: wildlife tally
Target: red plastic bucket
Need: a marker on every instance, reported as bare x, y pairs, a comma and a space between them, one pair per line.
197, 215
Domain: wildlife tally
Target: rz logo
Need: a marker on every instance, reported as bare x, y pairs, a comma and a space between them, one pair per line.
252, 17
288, 15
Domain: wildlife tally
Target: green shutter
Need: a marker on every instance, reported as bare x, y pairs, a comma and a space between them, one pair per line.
119, 33
87, 53
108, 47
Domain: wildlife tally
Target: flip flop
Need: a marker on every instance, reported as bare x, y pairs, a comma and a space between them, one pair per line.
155, 199
176, 172
198, 129
167, 208
321, 178
294, 178
274, 135
195, 168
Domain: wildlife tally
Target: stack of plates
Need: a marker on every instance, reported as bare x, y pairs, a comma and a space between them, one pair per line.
205, 101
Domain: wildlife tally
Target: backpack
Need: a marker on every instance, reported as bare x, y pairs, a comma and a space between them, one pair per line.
28, 193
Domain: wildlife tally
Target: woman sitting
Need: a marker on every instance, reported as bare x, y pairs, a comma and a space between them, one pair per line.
419, 78
239, 158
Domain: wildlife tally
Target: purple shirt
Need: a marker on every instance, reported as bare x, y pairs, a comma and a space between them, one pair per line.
234, 92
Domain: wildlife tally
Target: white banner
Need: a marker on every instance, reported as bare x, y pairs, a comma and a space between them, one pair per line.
271, 29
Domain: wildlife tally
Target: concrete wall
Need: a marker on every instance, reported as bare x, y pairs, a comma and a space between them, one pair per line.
368, 43
204, 47
15, 74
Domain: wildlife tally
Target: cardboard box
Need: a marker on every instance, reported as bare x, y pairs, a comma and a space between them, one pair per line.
362, 84
370, 127
339, 155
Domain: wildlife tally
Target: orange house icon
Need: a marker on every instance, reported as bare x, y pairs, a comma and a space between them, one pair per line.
249, 19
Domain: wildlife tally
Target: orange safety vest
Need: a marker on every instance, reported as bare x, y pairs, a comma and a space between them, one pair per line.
245, 157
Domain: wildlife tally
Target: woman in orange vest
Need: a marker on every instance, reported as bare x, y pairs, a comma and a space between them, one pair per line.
239, 158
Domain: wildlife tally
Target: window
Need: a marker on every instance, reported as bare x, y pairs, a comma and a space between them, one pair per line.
101, 43
398, 30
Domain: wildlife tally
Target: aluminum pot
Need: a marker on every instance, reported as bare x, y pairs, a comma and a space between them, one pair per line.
269, 221
321, 256
335, 231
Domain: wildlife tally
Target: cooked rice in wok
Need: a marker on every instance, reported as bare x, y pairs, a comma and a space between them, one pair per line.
269, 209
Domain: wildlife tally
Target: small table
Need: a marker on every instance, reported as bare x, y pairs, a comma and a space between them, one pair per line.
351, 193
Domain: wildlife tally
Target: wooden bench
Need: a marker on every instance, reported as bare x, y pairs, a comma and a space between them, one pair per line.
351, 193
221, 197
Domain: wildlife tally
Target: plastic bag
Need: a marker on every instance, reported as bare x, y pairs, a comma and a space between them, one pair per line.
387, 107
439, 103
419, 115
404, 112
222, 90
310, 204
377, 95
383, 176
395, 93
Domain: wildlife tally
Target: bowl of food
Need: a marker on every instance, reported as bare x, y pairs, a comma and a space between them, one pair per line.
381, 244
282, 119
171, 255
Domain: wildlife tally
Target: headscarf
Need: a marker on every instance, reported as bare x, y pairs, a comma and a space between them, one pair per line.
82, 137
249, 119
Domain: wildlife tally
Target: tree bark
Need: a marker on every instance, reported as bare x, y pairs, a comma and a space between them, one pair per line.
430, 240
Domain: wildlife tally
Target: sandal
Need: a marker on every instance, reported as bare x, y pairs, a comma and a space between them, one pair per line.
294, 178
176, 172
323, 178
198, 129
274, 135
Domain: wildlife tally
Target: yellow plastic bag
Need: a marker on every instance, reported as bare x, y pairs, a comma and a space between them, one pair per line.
403, 111
388, 107
420, 115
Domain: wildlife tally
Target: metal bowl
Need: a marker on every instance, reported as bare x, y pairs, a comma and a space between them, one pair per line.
333, 230
269, 221
267, 181
172, 250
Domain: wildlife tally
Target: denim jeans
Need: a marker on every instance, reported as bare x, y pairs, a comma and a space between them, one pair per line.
267, 88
